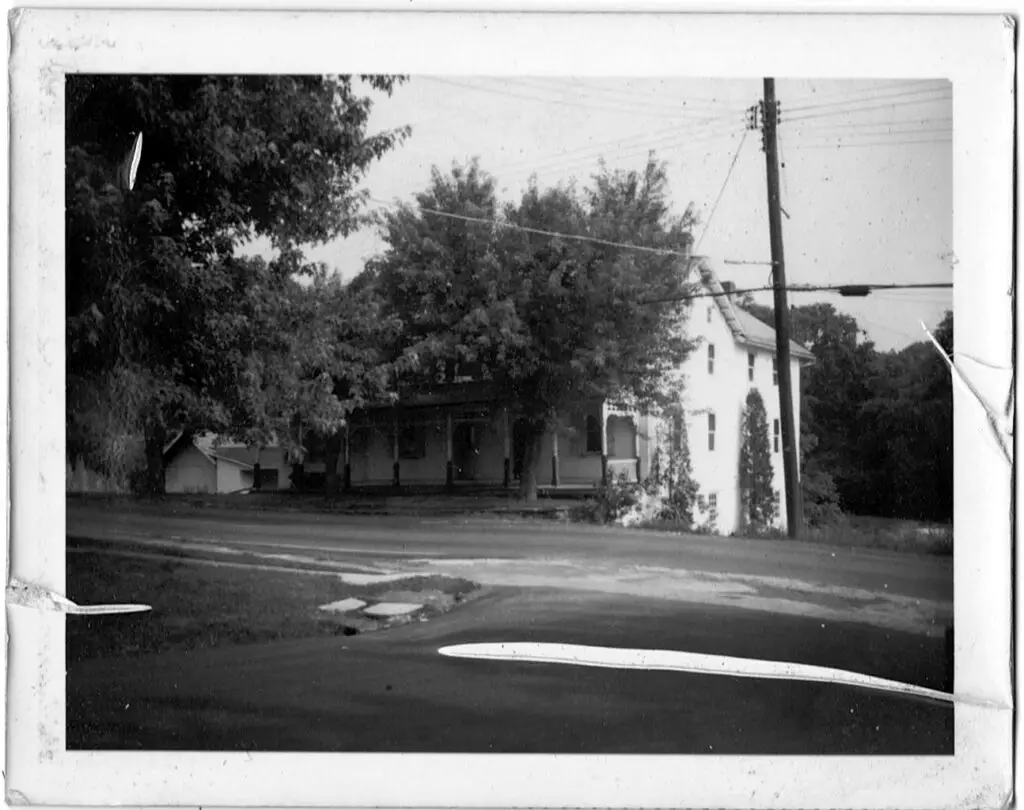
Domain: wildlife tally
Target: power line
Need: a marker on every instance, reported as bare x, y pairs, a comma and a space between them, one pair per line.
576, 237
849, 290
683, 148
851, 111
642, 145
840, 134
612, 96
648, 138
728, 174
876, 143
564, 102
892, 125
852, 95
875, 97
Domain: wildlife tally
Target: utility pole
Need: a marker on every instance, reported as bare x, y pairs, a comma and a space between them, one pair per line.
790, 441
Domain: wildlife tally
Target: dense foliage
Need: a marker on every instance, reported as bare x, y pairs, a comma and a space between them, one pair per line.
760, 500
877, 427
167, 327
551, 323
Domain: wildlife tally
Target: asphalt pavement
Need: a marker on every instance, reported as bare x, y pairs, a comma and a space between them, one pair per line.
392, 691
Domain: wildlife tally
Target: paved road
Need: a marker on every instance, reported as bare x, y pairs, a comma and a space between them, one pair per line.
392, 691
919, 576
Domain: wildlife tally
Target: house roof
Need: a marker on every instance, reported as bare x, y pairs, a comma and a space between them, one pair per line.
204, 444
746, 329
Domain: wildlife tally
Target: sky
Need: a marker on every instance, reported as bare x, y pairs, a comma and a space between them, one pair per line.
866, 172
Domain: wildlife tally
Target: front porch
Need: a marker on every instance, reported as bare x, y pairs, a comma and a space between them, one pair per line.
472, 445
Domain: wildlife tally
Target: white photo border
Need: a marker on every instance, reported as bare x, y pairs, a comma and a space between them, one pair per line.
975, 53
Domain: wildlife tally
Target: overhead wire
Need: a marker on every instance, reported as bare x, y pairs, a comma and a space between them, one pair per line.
555, 234
620, 97
854, 95
679, 147
841, 146
721, 192
644, 143
677, 115
840, 132
794, 288
903, 94
787, 119
890, 125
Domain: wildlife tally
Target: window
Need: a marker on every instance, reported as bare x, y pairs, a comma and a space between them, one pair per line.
709, 313
711, 431
593, 434
711, 358
677, 432
412, 442
776, 436
775, 371
751, 358
713, 501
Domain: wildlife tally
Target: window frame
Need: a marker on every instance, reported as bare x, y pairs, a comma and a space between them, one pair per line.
775, 370
589, 434
712, 428
711, 358
418, 441
751, 362
776, 436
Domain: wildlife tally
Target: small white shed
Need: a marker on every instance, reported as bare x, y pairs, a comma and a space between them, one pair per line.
190, 468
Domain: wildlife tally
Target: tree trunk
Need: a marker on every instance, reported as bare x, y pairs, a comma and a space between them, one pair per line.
531, 460
333, 477
153, 478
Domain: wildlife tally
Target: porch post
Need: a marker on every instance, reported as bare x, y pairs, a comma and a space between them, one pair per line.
507, 478
396, 478
554, 456
449, 478
346, 483
636, 445
604, 443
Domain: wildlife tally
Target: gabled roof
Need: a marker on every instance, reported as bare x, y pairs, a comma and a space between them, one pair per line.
204, 444
746, 329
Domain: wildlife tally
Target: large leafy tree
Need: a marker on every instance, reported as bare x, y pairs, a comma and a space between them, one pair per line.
162, 317
907, 432
550, 322
876, 426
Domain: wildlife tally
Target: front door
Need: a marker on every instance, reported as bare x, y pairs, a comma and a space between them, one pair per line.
465, 450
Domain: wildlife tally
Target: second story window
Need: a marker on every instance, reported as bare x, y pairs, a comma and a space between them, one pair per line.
751, 357
776, 434
711, 358
709, 313
711, 431
775, 371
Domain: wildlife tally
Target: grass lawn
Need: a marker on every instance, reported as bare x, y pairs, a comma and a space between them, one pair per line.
200, 605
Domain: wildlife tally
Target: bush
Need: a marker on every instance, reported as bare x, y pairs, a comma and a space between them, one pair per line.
613, 501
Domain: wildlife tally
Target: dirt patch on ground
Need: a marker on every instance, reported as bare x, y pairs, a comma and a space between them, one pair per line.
201, 603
